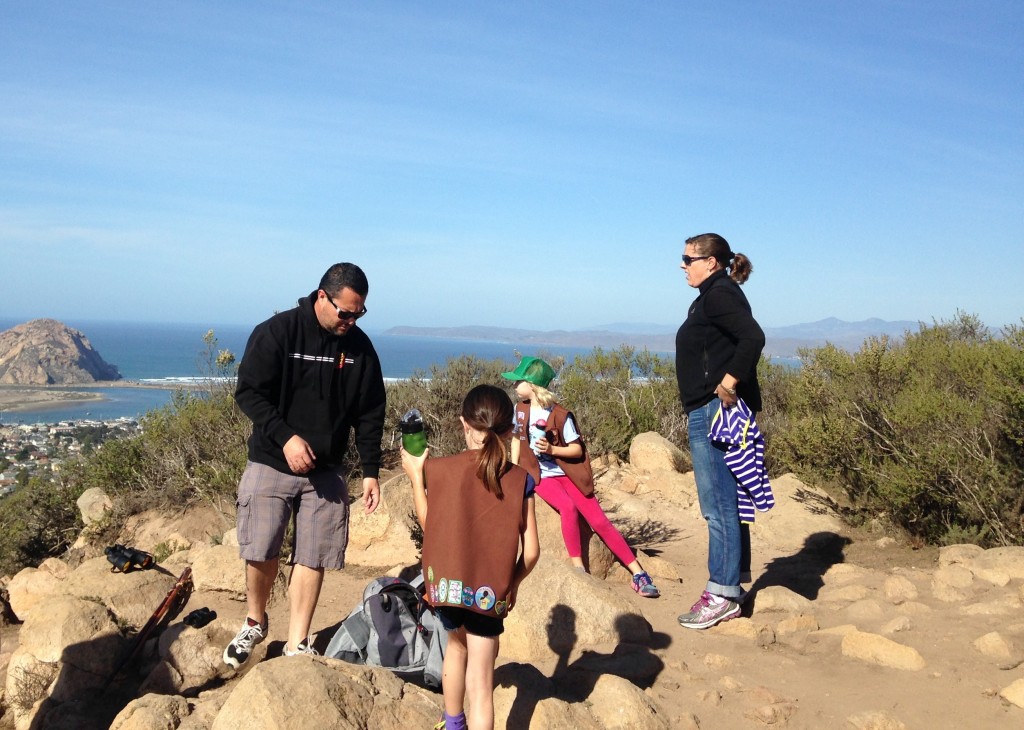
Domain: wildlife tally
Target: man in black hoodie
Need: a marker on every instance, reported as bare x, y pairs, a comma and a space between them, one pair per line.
308, 377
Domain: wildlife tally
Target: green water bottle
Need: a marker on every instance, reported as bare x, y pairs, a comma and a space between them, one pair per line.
414, 438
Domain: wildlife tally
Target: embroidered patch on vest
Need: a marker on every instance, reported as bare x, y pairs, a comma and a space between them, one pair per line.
455, 592
484, 598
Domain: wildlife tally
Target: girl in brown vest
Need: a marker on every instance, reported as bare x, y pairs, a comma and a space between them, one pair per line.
547, 442
481, 514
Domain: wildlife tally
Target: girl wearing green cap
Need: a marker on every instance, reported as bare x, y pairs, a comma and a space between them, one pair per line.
547, 443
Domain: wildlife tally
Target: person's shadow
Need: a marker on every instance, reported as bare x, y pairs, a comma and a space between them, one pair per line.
803, 571
574, 681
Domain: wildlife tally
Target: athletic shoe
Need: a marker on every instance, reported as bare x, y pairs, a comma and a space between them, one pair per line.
708, 611
239, 650
304, 647
643, 585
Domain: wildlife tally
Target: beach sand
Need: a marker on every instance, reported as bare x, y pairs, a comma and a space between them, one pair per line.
15, 398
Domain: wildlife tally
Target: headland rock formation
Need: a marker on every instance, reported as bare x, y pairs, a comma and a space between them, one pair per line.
48, 352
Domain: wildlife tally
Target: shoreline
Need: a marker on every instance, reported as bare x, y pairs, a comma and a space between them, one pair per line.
21, 398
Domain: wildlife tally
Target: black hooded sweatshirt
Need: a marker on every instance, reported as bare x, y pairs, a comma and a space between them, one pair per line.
719, 336
297, 378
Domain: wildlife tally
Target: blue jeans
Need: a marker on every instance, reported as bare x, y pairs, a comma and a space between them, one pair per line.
716, 490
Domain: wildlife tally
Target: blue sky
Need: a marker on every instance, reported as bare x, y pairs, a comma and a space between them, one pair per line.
521, 164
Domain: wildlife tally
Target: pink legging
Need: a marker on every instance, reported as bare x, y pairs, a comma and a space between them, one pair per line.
570, 503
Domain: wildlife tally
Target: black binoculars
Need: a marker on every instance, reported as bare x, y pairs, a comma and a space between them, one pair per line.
124, 559
200, 617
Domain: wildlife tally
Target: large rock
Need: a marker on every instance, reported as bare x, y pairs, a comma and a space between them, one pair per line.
959, 554
899, 589
219, 568
32, 585
152, 712
93, 504
780, 599
952, 583
652, 452
190, 659
1014, 693
800, 510
132, 596
72, 642
46, 352
617, 704
560, 608
314, 692
676, 488
1007, 560
385, 536
525, 698
156, 530
596, 555
879, 650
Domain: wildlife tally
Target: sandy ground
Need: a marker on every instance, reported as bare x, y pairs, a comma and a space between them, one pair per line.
724, 680
721, 679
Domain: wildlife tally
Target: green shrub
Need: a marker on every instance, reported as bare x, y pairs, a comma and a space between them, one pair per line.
618, 394
37, 522
925, 432
191, 450
438, 394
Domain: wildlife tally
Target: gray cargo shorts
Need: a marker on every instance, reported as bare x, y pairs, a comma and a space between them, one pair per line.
267, 499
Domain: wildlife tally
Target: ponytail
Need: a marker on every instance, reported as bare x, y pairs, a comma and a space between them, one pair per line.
492, 463
489, 409
741, 268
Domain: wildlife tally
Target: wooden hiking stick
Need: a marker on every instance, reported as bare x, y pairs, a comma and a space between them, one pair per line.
176, 598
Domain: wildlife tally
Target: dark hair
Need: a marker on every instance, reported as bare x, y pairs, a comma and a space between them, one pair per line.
711, 244
488, 408
340, 276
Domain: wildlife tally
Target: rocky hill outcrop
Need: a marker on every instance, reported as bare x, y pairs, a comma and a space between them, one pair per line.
47, 352
840, 629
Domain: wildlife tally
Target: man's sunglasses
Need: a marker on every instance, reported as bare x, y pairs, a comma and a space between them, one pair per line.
342, 314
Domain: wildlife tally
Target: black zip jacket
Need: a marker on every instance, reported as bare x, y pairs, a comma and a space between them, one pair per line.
297, 378
719, 336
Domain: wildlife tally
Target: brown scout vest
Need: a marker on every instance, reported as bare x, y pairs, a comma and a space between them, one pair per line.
471, 540
578, 470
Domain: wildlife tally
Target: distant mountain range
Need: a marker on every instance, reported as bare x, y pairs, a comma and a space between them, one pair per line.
781, 341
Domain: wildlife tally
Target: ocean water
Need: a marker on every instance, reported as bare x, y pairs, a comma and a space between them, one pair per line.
168, 354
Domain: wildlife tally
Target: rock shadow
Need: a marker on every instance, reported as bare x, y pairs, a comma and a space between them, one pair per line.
93, 681
574, 681
78, 696
803, 571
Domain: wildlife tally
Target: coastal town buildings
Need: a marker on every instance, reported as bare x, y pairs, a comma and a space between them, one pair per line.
39, 449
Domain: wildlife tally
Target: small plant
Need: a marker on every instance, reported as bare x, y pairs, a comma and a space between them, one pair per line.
162, 551
31, 684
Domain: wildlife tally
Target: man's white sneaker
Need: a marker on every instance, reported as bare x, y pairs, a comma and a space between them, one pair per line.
304, 647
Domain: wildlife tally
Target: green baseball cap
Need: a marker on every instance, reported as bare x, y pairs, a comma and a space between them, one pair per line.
532, 370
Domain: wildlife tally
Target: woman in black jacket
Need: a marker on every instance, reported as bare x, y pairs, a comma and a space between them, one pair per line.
717, 349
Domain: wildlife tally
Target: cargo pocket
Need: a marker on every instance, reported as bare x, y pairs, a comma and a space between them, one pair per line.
243, 508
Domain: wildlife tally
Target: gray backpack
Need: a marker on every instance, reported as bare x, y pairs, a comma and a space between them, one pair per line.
393, 627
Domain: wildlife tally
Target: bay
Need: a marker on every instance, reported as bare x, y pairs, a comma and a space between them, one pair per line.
167, 355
